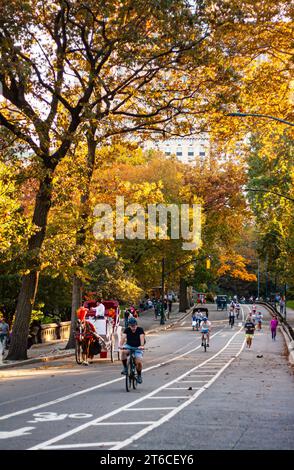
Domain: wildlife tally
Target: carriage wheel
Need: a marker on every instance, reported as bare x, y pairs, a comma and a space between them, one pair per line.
78, 352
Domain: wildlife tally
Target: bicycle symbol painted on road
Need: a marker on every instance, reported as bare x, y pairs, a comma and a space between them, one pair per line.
47, 416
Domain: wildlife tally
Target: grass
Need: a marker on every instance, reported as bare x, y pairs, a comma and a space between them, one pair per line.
290, 304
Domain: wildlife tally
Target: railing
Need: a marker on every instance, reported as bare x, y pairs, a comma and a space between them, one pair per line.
52, 331
286, 327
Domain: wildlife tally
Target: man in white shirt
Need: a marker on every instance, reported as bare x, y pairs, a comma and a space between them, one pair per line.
99, 309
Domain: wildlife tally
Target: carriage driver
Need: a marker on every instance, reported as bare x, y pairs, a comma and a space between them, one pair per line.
82, 312
133, 336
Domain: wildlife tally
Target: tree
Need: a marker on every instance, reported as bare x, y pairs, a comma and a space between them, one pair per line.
128, 66
63, 63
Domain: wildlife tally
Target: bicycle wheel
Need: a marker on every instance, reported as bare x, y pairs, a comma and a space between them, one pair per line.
128, 377
134, 379
78, 352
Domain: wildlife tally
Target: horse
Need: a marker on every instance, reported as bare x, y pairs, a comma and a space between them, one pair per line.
87, 342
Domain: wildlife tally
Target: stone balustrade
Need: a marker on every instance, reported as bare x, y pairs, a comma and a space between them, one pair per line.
52, 331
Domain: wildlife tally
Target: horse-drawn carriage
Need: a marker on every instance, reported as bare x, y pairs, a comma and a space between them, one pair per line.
98, 334
221, 302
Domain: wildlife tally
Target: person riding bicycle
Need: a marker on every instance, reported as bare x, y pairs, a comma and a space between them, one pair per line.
133, 337
237, 309
205, 327
232, 314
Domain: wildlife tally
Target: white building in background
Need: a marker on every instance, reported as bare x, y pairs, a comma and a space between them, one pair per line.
186, 149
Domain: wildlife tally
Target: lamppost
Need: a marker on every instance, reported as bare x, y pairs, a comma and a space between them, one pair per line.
162, 315
267, 116
258, 279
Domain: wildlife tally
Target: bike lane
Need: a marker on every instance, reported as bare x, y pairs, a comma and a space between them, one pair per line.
57, 417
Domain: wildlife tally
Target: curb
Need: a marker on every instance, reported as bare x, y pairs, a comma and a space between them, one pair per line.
54, 358
290, 346
34, 361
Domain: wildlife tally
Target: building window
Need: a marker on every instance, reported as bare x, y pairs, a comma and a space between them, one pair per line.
179, 153
167, 153
190, 153
202, 154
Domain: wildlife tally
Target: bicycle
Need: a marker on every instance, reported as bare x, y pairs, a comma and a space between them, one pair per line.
132, 374
204, 341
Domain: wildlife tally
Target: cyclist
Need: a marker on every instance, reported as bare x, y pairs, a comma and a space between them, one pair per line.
237, 309
134, 337
205, 328
232, 314
249, 330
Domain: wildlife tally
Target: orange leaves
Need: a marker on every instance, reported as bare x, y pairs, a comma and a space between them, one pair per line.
234, 265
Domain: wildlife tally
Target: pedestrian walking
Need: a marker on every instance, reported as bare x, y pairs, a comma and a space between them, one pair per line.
4, 332
273, 326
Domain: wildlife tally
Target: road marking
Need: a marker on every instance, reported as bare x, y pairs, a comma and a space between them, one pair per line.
149, 409
192, 381
17, 433
201, 375
96, 387
120, 423
165, 398
93, 444
48, 416
167, 417
178, 388
130, 406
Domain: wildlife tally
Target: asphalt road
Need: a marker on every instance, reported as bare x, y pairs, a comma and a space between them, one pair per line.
226, 398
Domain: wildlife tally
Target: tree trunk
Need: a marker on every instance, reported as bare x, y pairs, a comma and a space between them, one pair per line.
183, 295
26, 298
75, 304
81, 234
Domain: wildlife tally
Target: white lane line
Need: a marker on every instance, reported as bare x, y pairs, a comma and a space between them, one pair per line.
149, 409
192, 381
167, 417
47, 444
95, 387
120, 423
166, 398
178, 388
92, 444
202, 375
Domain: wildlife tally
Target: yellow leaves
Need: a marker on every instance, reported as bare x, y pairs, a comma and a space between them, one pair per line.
234, 265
